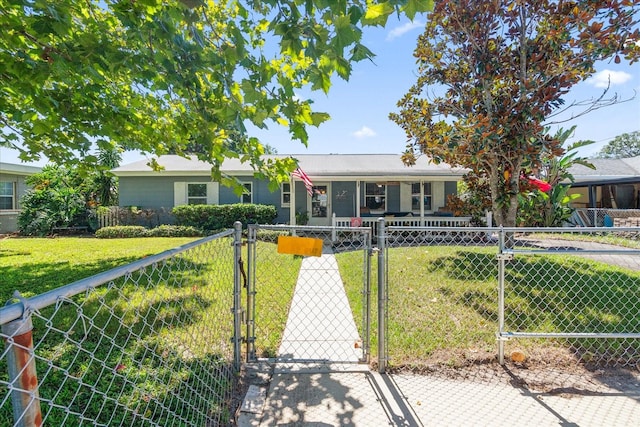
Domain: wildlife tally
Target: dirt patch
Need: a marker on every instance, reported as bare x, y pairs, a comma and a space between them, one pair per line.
548, 370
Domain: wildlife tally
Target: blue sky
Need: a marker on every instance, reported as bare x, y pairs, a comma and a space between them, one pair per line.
359, 108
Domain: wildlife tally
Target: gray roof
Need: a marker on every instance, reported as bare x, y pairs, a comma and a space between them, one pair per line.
607, 170
334, 166
18, 169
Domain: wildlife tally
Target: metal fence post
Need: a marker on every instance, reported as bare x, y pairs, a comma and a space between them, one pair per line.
366, 313
237, 294
501, 262
382, 297
251, 293
23, 378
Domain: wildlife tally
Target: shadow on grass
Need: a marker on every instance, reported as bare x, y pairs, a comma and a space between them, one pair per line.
50, 275
150, 348
553, 294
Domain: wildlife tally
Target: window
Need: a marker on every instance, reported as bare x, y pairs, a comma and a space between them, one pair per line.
247, 196
7, 195
285, 194
197, 194
415, 196
375, 197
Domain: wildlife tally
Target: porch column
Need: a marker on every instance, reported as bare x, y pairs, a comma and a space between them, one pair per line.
422, 200
592, 196
358, 202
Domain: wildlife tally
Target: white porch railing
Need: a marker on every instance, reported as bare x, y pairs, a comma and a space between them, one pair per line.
405, 221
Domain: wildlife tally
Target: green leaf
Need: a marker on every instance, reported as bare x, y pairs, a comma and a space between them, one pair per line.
377, 14
414, 7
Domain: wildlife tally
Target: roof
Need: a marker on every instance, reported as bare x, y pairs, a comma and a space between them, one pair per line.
334, 166
17, 169
607, 171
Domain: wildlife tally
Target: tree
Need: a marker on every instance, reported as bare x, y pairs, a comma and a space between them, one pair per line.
58, 199
551, 209
622, 146
156, 76
491, 72
105, 184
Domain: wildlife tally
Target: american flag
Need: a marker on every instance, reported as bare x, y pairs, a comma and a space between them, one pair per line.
299, 173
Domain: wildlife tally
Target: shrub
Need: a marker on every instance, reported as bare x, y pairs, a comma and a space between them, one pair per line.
218, 217
122, 231
125, 231
174, 231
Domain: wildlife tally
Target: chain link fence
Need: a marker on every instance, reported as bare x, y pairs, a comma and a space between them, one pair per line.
550, 296
605, 217
147, 344
575, 291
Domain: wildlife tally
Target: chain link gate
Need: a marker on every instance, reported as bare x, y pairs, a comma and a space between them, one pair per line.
307, 309
449, 292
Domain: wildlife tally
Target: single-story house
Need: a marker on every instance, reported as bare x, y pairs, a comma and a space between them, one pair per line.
12, 187
615, 183
346, 187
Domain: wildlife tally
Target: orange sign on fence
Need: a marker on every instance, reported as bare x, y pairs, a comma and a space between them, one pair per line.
306, 246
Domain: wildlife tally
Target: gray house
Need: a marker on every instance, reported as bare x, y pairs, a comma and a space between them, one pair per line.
346, 188
12, 187
615, 183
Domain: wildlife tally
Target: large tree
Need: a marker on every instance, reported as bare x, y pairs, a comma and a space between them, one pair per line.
622, 146
491, 73
161, 76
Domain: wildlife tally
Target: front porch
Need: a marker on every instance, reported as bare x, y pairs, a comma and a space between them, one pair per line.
404, 221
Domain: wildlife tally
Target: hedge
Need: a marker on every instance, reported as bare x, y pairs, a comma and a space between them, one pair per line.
219, 217
127, 231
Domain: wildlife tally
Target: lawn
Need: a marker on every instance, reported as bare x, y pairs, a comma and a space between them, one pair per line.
34, 266
443, 303
150, 348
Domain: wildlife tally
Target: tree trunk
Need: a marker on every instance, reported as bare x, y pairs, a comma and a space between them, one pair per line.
505, 211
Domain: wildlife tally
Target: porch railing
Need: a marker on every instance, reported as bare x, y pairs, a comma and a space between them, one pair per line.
406, 221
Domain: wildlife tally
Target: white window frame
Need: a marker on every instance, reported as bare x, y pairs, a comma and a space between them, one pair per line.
247, 185
422, 194
202, 199
282, 194
367, 196
181, 192
12, 196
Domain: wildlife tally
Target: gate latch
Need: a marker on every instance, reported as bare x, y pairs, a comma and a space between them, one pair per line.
504, 257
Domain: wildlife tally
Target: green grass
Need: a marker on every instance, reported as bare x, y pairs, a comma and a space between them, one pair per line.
34, 266
276, 276
443, 302
138, 350
623, 239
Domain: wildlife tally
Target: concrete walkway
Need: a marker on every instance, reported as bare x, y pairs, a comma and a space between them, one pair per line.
332, 390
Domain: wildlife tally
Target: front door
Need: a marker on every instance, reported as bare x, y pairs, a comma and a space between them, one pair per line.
319, 205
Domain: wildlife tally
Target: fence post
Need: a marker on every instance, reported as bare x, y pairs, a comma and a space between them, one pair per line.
501, 263
23, 379
252, 233
382, 297
237, 293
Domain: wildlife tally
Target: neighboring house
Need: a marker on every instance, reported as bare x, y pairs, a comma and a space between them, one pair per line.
615, 183
345, 186
12, 187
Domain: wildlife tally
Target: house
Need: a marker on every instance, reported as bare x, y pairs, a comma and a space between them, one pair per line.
345, 187
12, 186
615, 183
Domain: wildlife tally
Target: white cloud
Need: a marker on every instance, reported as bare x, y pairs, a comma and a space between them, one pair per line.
364, 132
403, 29
604, 77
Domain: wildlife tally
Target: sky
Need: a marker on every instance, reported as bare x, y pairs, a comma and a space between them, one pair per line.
359, 108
